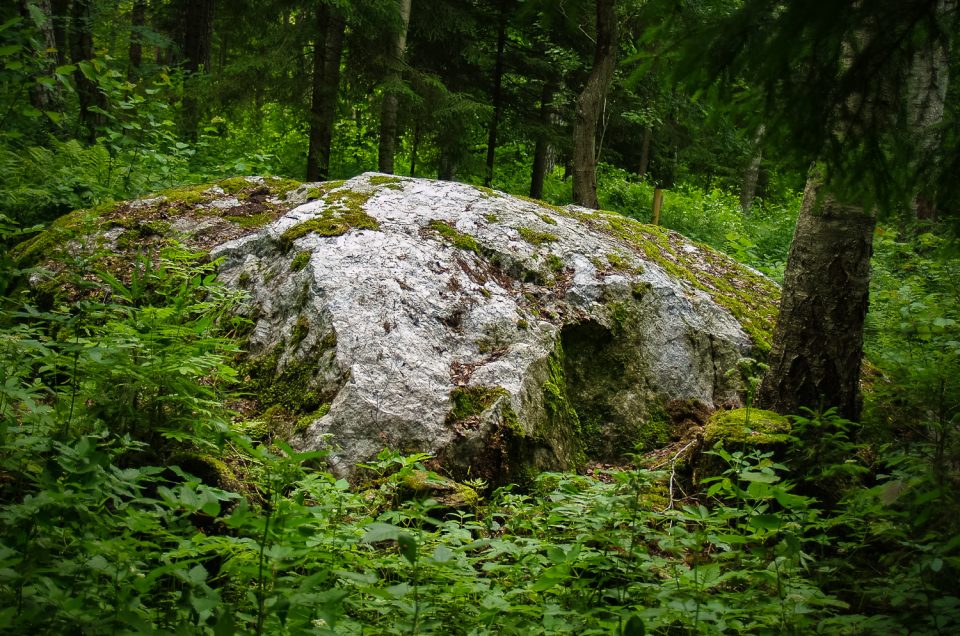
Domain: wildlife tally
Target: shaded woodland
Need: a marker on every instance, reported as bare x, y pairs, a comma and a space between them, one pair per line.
815, 141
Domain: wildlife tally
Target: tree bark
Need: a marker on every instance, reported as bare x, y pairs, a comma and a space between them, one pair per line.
748, 189
327, 52
388, 110
196, 24
60, 19
657, 205
541, 153
42, 97
196, 32
645, 152
497, 93
448, 163
818, 341
414, 147
138, 21
927, 83
590, 104
81, 50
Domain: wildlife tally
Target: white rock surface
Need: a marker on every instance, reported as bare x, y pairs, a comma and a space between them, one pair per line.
389, 322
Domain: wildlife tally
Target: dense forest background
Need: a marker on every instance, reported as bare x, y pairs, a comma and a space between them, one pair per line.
711, 117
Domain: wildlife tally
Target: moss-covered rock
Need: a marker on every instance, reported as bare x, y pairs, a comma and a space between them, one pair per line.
505, 336
745, 430
449, 494
754, 428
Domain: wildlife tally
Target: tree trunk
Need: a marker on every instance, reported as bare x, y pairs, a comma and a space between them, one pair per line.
497, 93
60, 19
42, 97
81, 50
388, 110
414, 147
590, 104
657, 205
138, 22
327, 51
818, 340
196, 33
541, 153
196, 30
448, 163
927, 81
645, 152
748, 189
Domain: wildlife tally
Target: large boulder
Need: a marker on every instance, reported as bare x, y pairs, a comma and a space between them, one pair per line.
499, 334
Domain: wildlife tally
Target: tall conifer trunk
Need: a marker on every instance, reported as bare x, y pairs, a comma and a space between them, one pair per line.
541, 153
388, 110
138, 21
497, 93
43, 97
748, 188
81, 50
327, 52
645, 152
196, 32
590, 104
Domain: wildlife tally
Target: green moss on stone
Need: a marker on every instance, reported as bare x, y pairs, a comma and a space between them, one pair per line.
454, 237
391, 183
447, 493
304, 422
321, 190
280, 186
235, 185
292, 388
487, 192
753, 427
471, 401
750, 297
563, 424
556, 209
546, 218
50, 242
300, 261
555, 263
190, 194
344, 212
329, 340
209, 469
536, 237
300, 331
491, 217
252, 221
655, 432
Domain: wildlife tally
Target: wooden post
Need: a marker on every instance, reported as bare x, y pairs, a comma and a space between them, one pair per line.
657, 204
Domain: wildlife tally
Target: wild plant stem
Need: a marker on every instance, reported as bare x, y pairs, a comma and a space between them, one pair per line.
260, 583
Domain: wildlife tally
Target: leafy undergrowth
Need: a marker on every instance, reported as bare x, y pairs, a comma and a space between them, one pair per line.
131, 501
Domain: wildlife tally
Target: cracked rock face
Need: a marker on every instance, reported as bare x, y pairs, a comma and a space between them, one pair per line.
501, 335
